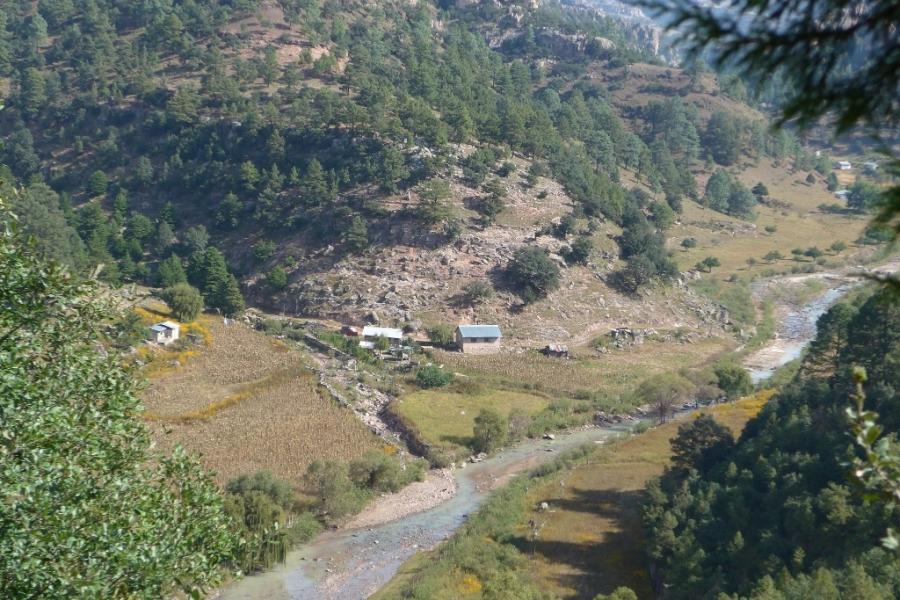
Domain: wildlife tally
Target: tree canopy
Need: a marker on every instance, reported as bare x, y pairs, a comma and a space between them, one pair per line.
88, 510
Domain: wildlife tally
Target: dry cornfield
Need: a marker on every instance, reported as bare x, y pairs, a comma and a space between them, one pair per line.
247, 402
613, 374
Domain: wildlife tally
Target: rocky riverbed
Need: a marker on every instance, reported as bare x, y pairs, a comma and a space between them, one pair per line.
796, 319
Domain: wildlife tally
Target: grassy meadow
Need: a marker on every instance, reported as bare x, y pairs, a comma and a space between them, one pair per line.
446, 418
590, 539
799, 224
550, 393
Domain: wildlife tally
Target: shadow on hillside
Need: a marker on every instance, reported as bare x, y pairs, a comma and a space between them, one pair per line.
459, 440
596, 567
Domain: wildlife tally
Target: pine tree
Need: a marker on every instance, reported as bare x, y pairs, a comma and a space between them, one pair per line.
170, 272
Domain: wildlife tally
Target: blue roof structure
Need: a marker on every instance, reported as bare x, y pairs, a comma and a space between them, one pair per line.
480, 331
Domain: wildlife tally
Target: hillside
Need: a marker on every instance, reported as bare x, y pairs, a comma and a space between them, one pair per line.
312, 143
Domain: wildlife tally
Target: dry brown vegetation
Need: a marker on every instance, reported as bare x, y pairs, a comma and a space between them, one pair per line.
802, 225
591, 539
612, 374
247, 402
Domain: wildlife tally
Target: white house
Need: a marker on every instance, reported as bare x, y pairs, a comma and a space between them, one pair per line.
164, 333
370, 335
844, 165
478, 339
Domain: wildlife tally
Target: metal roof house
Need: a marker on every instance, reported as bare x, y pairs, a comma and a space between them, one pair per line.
844, 165
370, 335
164, 333
478, 339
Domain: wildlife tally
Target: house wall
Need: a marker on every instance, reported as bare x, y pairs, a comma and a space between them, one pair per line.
480, 347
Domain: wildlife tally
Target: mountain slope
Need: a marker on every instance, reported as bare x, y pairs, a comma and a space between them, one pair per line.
304, 139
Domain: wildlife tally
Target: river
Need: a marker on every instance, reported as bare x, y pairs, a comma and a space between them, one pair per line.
351, 564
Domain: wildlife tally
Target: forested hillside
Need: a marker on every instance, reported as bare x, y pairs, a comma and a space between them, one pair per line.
775, 515
246, 145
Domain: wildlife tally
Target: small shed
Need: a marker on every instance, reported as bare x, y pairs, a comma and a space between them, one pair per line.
370, 335
556, 350
164, 333
844, 165
871, 166
478, 339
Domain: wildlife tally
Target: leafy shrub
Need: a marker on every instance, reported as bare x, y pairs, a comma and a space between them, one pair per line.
380, 472
335, 493
733, 379
432, 376
532, 273
490, 431
441, 334
477, 292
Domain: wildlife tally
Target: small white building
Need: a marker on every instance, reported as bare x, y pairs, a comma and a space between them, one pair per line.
478, 339
370, 335
164, 333
844, 165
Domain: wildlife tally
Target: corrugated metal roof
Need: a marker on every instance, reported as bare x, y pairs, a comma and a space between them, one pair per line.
158, 328
388, 332
480, 331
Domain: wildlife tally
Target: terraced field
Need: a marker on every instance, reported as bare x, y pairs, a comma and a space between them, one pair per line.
247, 402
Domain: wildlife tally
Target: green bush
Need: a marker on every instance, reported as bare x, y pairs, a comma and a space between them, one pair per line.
184, 300
336, 494
532, 273
382, 473
441, 334
261, 506
490, 431
733, 379
432, 376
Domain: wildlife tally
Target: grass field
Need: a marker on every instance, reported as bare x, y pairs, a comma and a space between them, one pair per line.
531, 382
590, 539
246, 402
447, 418
801, 225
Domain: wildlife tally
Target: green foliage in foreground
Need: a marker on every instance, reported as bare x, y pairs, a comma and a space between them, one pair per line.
86, 511
776, 516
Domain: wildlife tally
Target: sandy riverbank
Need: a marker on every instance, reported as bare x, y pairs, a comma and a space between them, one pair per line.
438, 486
